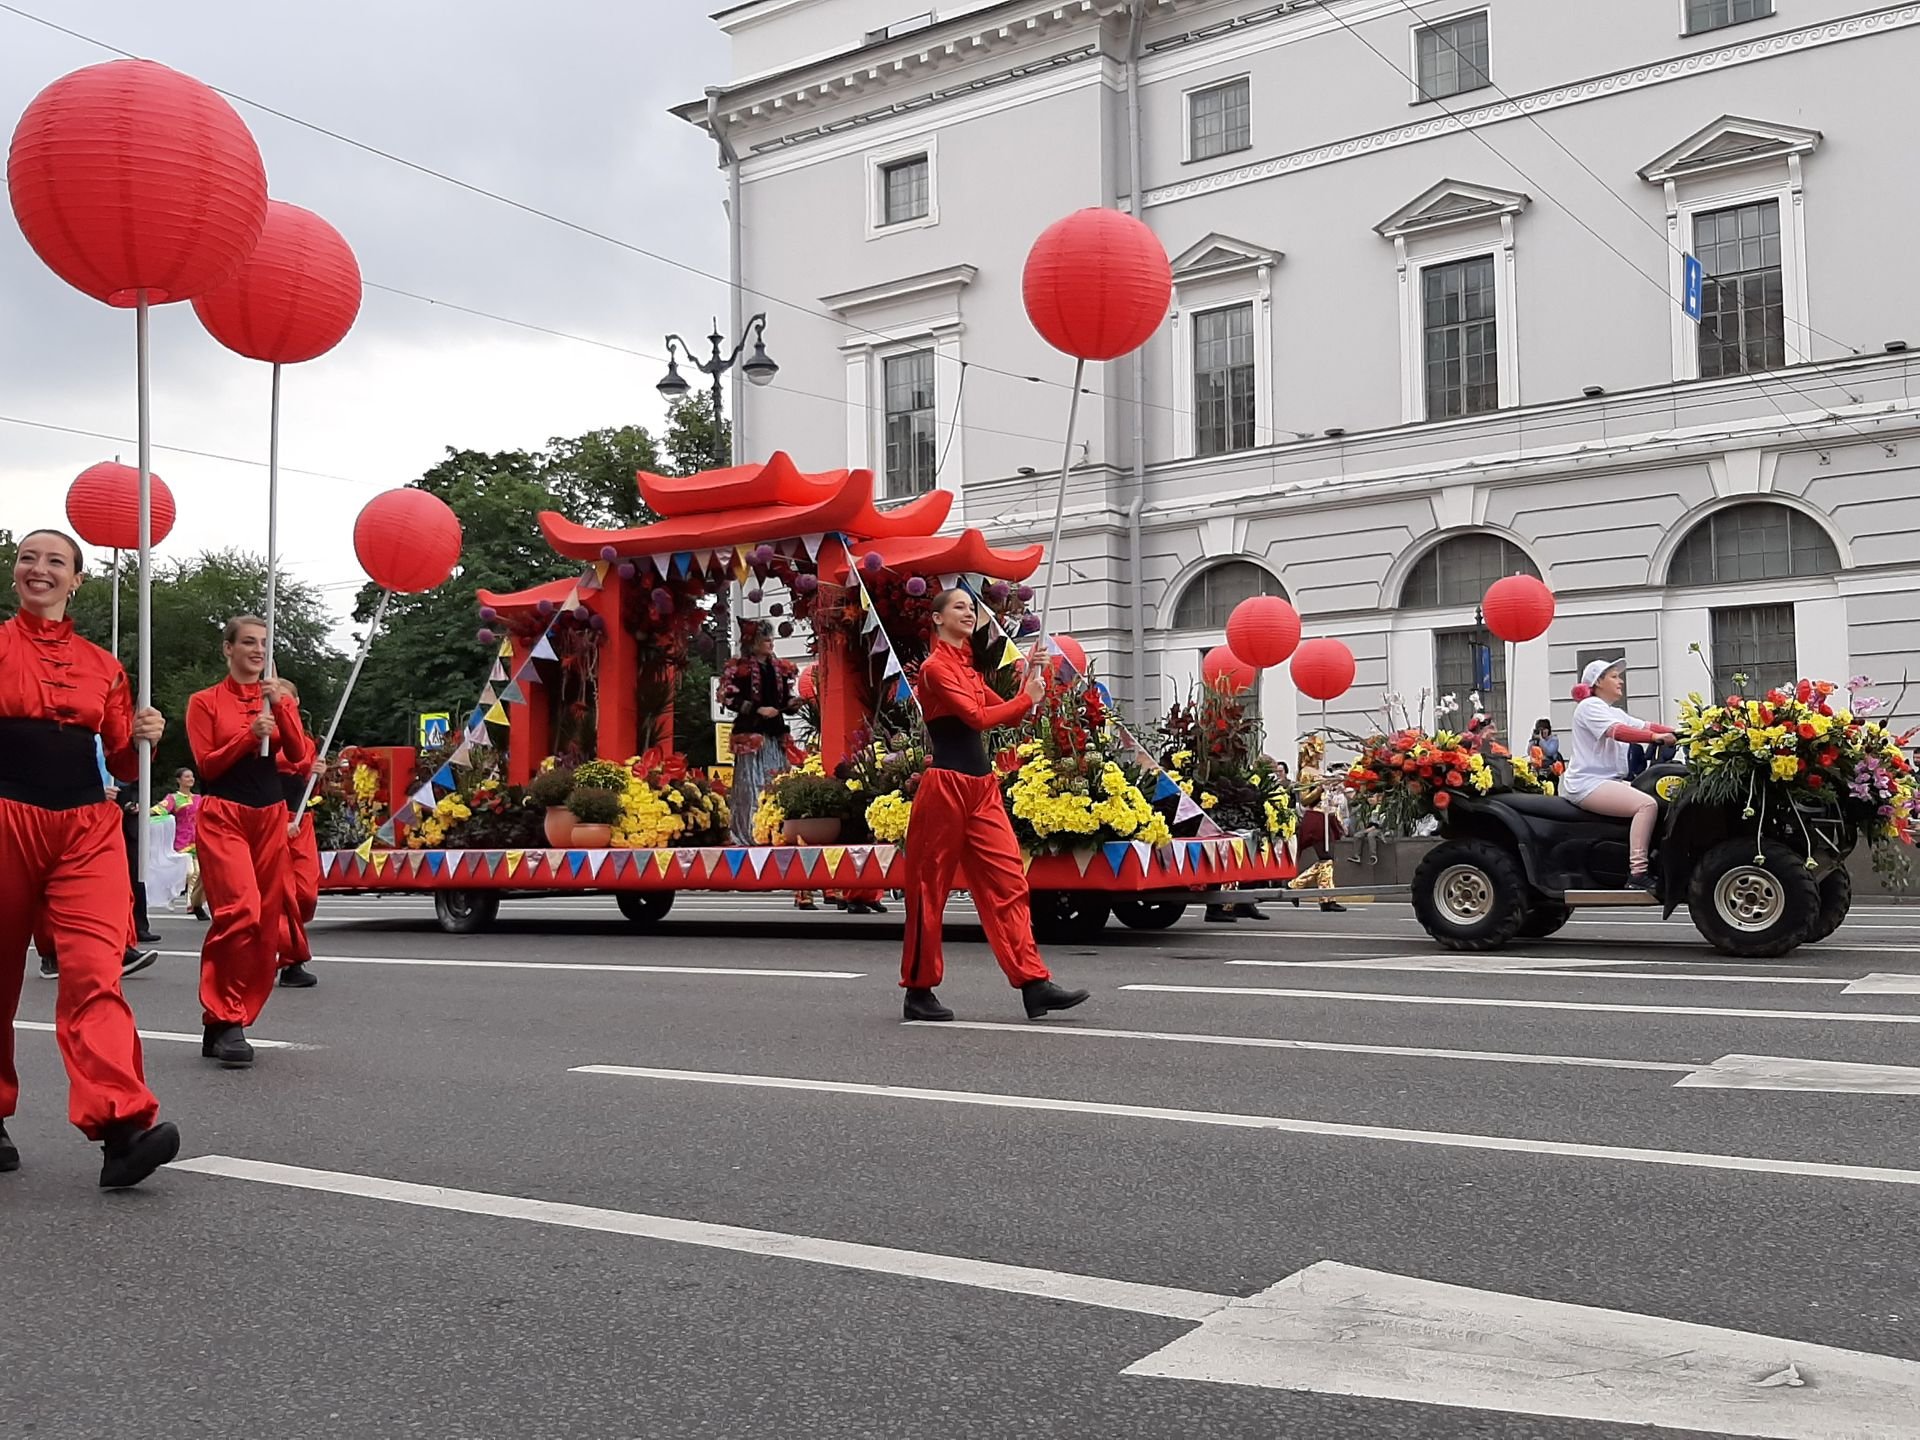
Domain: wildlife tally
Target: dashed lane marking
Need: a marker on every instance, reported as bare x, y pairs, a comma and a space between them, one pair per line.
1837, 1016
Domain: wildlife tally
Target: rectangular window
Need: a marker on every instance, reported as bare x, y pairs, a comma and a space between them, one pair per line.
1219, 120
1223, 380
1461, 662
1756, 641
1462, 338
905, 190
910, 424
1715, 14
1743, 307
1453, 57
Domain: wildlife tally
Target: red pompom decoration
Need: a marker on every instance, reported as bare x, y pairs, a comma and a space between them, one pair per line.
129, 176
1227, 672
1072, 652
103, 506
294, 299
1097, 284
1263, 630
1322, 669
1582, 692
407, 540
1518, 608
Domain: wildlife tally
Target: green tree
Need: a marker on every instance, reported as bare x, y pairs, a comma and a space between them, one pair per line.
691, 444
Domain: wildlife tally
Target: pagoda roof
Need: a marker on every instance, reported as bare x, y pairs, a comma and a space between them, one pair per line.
522, 602
964, 554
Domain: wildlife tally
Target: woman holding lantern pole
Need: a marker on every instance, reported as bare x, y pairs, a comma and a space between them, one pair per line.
240, 730
960, 827
62, 859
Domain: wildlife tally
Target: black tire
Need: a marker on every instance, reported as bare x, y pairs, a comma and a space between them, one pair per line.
1149, 914
1836, 898
1063, 916
1543, 918
465, 912
645, 908
1754, 911
1470, 895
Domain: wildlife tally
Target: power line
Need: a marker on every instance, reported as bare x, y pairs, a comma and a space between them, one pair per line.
184, 450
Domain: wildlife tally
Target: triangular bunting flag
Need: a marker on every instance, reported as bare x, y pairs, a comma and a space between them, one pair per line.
576, 861
1240, 852
514, 858
622, 860
880, 642
1196, 854
498, 715
543, 650
686, 858
506, 649
554, 859
893, 664
809, 861
1026, 862
1143, 851
735, 858
600, 568
1083, 858
462, 756
835, 856
379, 862
757, 857
487, 696
783, 861
886, 855
1010, 655
664, 860
499, 671
683, 562
599, 862
513, 695
859, 854
811, 544
443, 777
1116, 853
436, 862
1165, 788
424, 796
415, 859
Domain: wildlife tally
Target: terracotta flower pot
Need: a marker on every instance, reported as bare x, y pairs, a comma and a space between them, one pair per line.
590, 837
560, 826
811, 832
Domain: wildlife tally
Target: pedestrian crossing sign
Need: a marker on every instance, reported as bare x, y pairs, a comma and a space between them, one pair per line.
434, 729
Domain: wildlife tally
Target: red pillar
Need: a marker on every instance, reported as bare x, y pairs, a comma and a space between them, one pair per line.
616, 693
839, 678
530, 721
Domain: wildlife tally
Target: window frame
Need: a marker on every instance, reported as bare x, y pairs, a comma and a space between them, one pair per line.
1420, 95
1431, 551
1252, 309
1427, 329
888, 491
1707, 523
1755, 682
1688, 30
1496, 709
1202, 289
1198, 582
1190, 97
886, 157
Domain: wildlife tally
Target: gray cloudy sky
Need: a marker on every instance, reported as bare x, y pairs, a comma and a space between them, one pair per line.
559, 105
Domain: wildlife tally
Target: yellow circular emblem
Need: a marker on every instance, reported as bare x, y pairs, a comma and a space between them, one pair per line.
1668, 787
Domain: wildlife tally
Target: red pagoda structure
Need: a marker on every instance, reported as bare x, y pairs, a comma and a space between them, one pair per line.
611, 646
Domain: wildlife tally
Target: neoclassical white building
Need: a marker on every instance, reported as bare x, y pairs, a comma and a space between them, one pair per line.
1431, 319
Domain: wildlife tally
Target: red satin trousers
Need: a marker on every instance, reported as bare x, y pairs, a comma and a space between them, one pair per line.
243, 868
960, 828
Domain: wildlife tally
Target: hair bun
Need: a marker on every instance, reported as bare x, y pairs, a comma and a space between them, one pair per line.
1582, 692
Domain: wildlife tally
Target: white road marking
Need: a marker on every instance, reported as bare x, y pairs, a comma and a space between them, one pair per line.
1779, 1072
1841, 1016
1885, 984
1264, 1043
1336, 1329
1806, 1169
177, 1037
1331, 1328
570, 965
1538, 969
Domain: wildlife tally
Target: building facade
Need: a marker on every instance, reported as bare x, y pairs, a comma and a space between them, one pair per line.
1431, 319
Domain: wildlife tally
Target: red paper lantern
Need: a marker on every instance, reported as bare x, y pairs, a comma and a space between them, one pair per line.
407, 540
1226, 671
103, 506
294, 299
1518, 608
129, 176
807, 686
1072, 652
1322, 669
1097, 284
1263, 630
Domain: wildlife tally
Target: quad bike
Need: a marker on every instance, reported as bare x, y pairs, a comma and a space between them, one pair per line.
1516, 866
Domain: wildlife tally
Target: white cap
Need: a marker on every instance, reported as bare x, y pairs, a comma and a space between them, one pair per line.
1595, 669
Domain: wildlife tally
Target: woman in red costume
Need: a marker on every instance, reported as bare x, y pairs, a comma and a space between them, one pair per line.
960, 824
62, 858
244, 851
303, 866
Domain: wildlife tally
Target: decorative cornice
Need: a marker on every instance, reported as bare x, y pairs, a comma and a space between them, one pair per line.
1219, 254
946, 283
1450, 203
1766, 47
1701, 153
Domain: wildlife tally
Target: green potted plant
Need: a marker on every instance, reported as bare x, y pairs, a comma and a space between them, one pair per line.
815, 806
549, 792
594, 812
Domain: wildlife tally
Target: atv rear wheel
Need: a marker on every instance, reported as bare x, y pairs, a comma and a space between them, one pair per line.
1544, 918
1836, 898
1470, 895
1753, 903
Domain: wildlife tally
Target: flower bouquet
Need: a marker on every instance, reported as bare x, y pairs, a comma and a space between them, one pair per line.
1065, 786
1401, 779
1210, 748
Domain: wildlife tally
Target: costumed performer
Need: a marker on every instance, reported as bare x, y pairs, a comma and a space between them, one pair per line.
1320, 828
184, 806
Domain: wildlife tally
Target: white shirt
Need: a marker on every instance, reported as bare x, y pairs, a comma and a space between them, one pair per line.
1597, 757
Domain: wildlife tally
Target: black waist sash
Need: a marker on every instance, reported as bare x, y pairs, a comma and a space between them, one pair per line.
957, 746
293, 789
48, 765
253, 781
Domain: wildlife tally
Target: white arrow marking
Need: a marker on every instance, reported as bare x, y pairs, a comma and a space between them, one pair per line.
1780, 1072
1885, 984
1335, 1329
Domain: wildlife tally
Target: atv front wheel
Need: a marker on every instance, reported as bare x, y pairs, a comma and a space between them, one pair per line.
1755, 904
1470, 895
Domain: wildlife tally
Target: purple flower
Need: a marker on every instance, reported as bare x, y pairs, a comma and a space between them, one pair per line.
1858, 682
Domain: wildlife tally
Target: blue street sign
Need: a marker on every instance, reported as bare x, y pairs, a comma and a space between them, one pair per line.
1483, 671
1693, 287
434, 729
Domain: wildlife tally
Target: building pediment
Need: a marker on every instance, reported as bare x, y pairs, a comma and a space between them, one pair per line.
1219, 254
1728, 143
942, 284
1451, 203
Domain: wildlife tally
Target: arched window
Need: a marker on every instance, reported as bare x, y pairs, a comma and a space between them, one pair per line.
1211, 595
1753, 541
1458, 570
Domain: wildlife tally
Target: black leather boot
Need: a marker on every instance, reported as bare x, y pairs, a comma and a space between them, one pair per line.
924, 1005
132, 1154
1040, 996
227, 1044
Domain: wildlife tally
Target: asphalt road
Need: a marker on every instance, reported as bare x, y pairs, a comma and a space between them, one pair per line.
977, 1232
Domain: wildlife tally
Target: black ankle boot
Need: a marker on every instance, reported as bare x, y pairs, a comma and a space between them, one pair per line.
298, 977
132, 1154
227, 1044
924, 1005
1040, 996
9, 1155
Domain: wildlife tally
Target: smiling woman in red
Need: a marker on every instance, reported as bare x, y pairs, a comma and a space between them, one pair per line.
62, 857
960, 827
244, 851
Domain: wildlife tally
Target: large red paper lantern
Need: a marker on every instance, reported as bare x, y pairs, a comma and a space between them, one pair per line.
1263, 630
103, 506
1071, 651
1097, 284
1518, 608
129, 176
407, 540
1322, 669
294, 299
1226, 671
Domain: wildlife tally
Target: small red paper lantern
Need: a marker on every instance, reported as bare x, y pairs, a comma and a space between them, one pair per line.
407, 540
1322, 669
294, 299
1227, 672
129, 176
1097, 284
1518, 608
807, 686
1263, 630
103, 506
1072, 652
